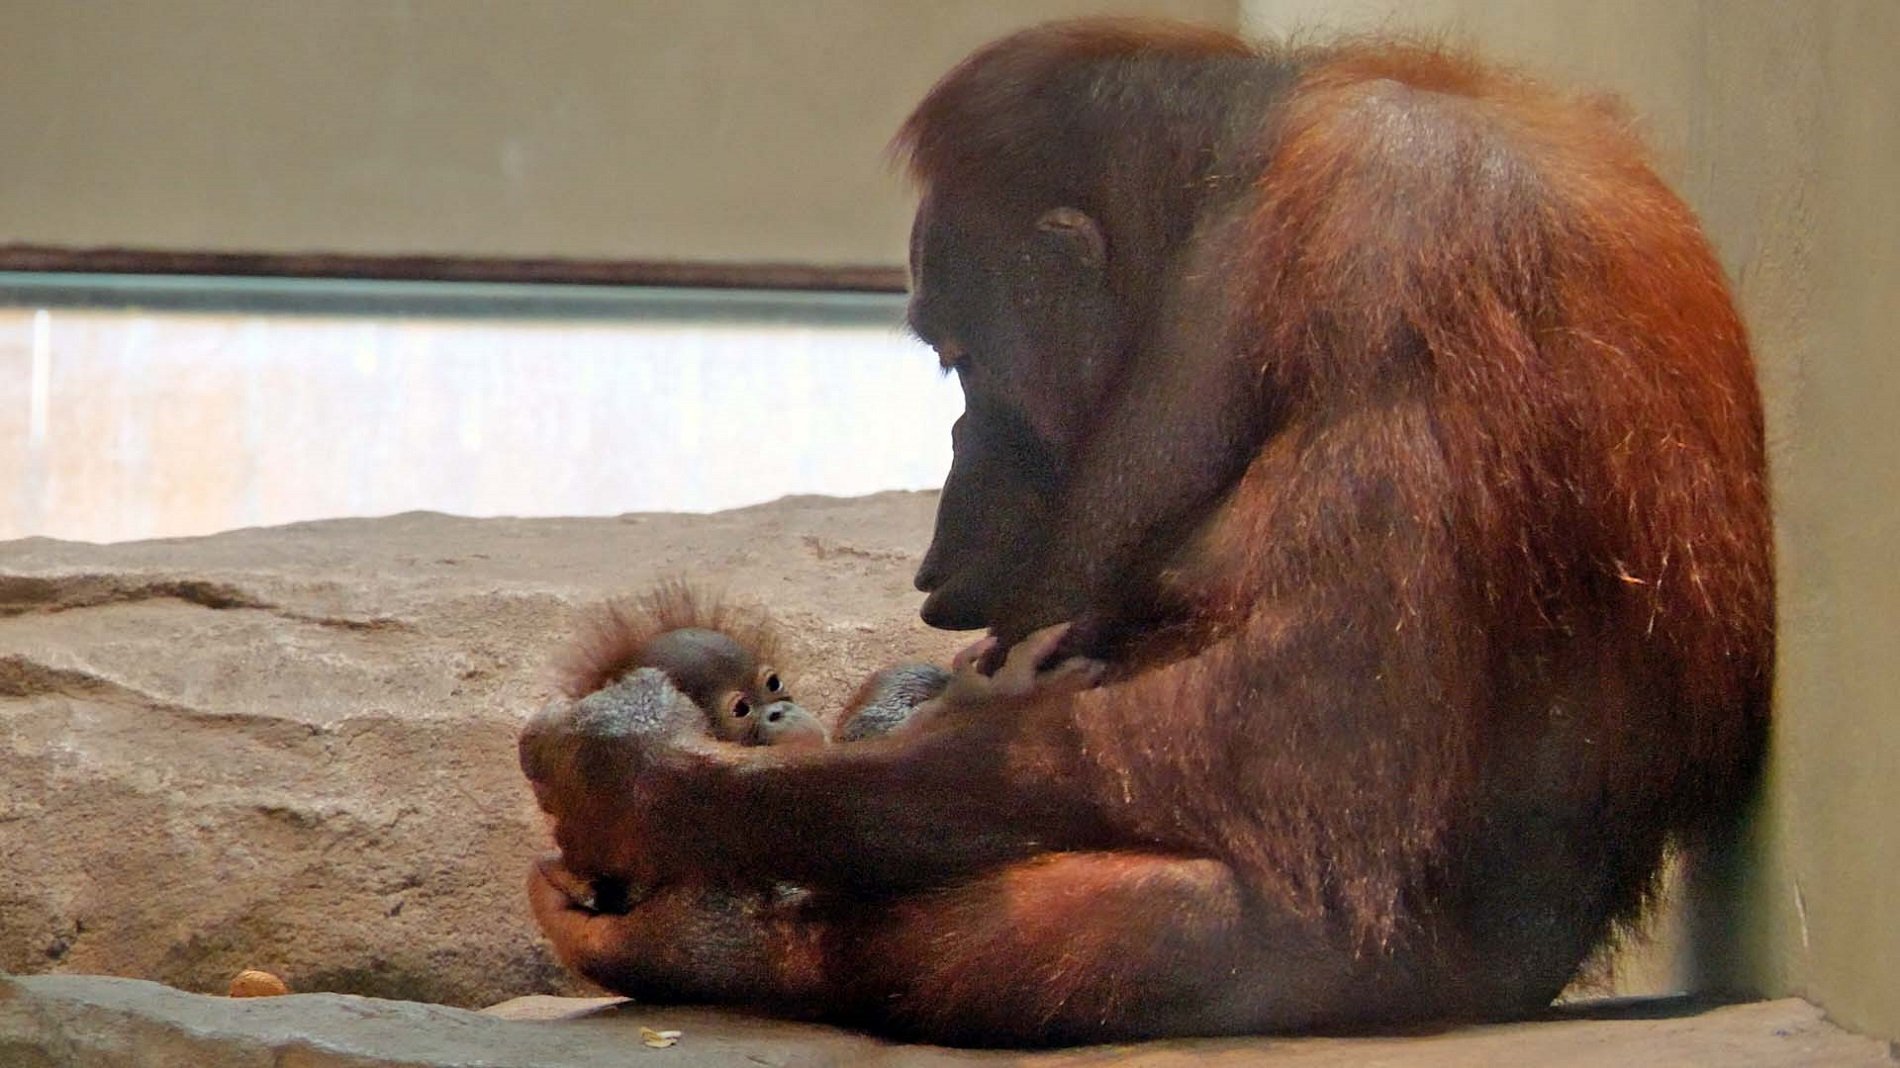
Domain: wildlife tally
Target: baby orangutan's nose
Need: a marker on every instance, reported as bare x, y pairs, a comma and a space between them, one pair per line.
786, 723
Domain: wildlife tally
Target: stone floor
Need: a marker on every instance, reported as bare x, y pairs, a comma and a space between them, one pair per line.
56, 1021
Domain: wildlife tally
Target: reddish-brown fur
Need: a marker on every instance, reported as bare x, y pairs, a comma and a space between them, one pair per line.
1403, 457
611, 635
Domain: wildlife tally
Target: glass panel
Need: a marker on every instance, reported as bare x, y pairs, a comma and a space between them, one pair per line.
138, 408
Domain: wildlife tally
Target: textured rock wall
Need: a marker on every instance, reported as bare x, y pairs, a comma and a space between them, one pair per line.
293, 748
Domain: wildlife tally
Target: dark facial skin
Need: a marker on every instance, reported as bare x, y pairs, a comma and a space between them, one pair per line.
1064, 503
1031, 377
745, 701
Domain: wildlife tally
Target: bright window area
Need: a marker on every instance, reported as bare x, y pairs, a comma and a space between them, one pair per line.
142, 408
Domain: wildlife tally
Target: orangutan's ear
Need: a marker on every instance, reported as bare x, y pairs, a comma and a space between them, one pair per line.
1078, 232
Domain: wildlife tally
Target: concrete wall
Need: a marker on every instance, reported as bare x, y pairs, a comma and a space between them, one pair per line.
1778, 122
707, 130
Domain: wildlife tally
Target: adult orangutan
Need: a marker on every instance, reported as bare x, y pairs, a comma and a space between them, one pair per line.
1383, 426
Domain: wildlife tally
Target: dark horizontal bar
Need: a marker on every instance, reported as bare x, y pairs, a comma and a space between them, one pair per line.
268, 295
549, 270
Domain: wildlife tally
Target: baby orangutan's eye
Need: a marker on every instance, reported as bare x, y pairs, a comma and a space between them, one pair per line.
741, 708
772, 683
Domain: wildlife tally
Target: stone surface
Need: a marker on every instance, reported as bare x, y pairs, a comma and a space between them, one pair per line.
292, 749
61, 1021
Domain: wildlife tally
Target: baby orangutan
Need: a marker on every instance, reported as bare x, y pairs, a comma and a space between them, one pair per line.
653, 663
722, 657
648, 660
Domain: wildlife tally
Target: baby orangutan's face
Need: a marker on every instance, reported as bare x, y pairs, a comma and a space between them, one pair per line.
745, 699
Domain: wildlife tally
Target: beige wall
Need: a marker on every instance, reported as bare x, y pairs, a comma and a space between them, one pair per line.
1780, 121
713, 130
